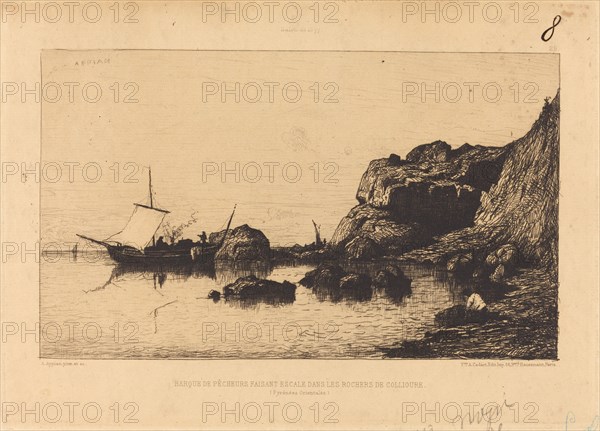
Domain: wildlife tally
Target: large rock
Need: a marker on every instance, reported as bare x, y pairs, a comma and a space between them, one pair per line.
325, 275
439, 188
242, 244
367, 232
480, 272
520, 208
251, 287
352, 287
404, 203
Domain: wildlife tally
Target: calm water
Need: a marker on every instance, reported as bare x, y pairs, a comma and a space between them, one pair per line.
117, 314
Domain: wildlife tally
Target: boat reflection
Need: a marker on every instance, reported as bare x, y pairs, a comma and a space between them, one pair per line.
222, 272
158, 274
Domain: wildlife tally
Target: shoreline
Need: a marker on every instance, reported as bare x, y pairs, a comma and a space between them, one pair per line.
525, 328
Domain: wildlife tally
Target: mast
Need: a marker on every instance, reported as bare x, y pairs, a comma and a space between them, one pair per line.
228, 225
150, 185
318, 241
150, 191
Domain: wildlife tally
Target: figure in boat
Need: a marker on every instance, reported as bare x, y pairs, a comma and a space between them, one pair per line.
136, 244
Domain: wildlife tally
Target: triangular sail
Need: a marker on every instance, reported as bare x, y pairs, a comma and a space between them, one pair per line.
140, 228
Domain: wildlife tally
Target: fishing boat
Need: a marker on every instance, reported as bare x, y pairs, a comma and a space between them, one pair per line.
136, 243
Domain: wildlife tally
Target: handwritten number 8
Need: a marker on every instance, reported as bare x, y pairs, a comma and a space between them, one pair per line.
547, 35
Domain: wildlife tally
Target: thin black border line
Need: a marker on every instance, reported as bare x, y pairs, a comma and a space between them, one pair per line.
40, 215
378, 359
2, 207
302, 50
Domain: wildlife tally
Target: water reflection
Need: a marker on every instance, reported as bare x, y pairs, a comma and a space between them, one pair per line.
156, 273
172, 310
255, 303
228, 272
335, 294
395, 296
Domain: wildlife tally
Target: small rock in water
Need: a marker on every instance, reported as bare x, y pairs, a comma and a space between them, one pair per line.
214, 295
476, 303
252, 287
391, 277
331, 282
352, 287
325, 275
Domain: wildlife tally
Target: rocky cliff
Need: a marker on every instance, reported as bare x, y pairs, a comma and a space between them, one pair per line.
523, 206
460, 199
404, 203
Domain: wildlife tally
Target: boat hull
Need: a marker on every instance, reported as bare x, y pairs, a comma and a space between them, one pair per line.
133, 256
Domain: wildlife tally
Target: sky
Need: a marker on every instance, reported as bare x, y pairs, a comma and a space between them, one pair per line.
220, 128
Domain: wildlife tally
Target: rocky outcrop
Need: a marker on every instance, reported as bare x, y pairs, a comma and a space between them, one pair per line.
520, 210
514, 242
439, 188
332, 282
368, 232
404, 203
523, 206
242, 244
496, 266
362, 248
520, 325
251, 287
